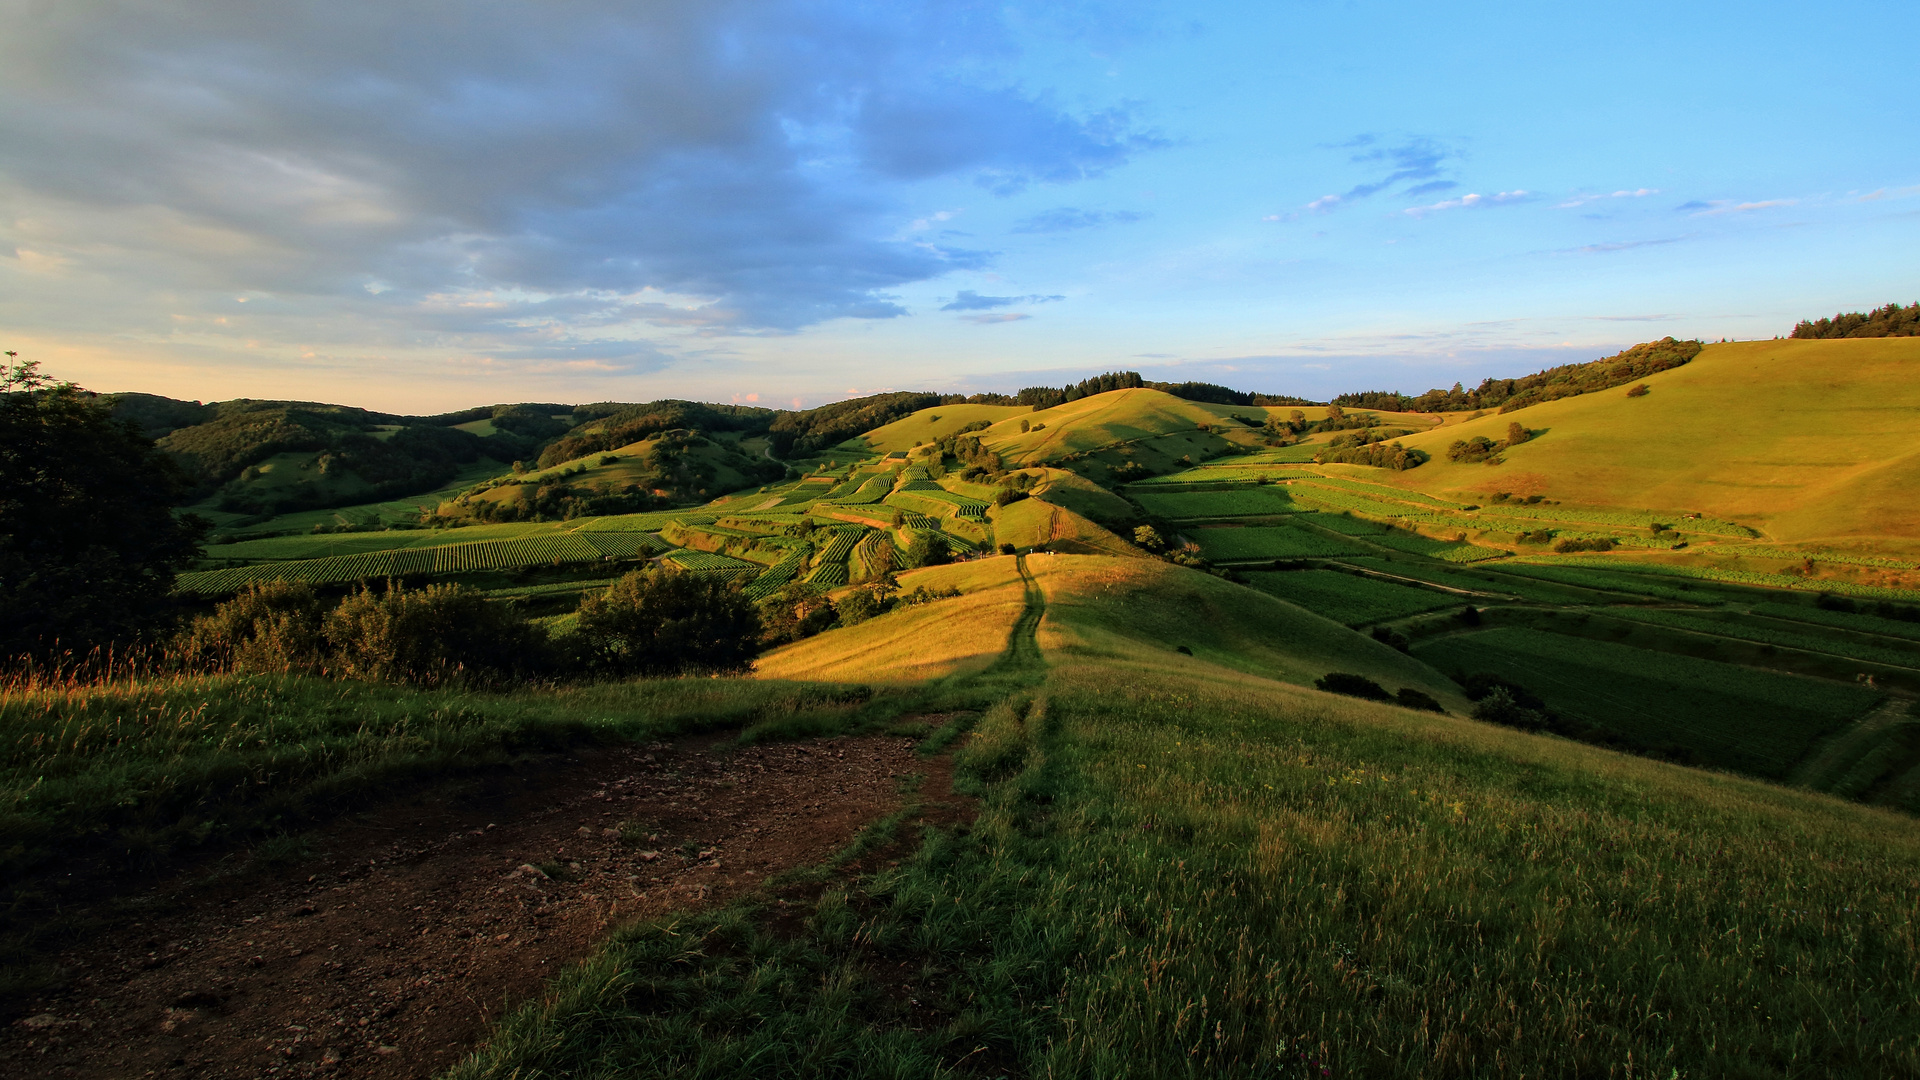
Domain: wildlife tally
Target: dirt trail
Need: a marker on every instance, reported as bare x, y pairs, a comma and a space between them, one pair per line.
392, 955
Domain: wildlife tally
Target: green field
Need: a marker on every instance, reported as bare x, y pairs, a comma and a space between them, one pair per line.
1752, 721
1246, 502
1275, 542
1350, 598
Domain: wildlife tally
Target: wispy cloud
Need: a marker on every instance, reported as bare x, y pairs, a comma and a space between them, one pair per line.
968, 300
1416, 160
1582, 200
1003, 317
1618, 245
1070, 219
1716, 207
1466, 202
1324, 203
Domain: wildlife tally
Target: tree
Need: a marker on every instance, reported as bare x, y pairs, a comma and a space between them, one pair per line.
89, 541
656, 622
927, 549
1149, 537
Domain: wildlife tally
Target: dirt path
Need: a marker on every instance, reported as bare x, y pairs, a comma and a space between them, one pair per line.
392, 955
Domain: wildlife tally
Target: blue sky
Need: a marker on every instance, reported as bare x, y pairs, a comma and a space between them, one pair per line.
423, 206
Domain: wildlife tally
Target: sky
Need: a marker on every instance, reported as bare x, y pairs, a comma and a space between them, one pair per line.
419, 206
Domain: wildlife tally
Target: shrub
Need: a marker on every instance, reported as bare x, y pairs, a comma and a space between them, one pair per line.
430, 635
1638, 391
1598, 543
927, 549
1343, 682
273, 626
795, 612
1410, 698
1007, 549
1537, 536
656, 622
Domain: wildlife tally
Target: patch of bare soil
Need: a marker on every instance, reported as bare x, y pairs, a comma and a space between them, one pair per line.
391, 956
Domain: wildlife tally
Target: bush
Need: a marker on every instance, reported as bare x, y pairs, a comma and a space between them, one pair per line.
927, 549
275, 626
1343, 682
430, 635
1639, 391
1410, 698
656, 622
795, 612
1599, 543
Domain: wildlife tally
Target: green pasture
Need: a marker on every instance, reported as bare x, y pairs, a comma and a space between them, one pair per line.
1350, 598
1183, 875
1245, 502
1745, 719
1270, 542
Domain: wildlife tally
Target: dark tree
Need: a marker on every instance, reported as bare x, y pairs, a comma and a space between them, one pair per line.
89, 541
661, 623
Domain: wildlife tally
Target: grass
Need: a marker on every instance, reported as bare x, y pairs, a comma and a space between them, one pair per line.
1246, 502
1350, 598
1817, 443
1275, 542
960, 635
1182, 875
1757, 722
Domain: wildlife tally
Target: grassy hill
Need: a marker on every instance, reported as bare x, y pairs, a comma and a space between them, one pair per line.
1810, 442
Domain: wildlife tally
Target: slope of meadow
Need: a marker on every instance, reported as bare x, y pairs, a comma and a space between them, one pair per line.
1184, 870
1808, 441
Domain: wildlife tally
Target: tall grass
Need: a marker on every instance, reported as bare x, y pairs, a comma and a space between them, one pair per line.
1182, 877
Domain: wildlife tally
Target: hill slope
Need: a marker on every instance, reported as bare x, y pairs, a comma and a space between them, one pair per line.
1805, 440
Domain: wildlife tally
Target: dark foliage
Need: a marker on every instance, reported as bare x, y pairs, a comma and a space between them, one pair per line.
431, 635
1890, 321
1415, 699
657, 623
969, 451
1598, 543
1344, 682
829, 425
1046, 397
1568, 380
608, 426
795, 612
275, 626
89, 543
926, 549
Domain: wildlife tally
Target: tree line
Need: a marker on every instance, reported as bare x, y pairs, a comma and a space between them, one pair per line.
1889, 321
1567, 380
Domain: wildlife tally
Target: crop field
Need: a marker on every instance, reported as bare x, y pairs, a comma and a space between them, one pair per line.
1246, 502
1842, 620
1772, 632
1454, 551
707, 564
1336, 500
1705, 572
551, 549
841, 545
805, 492
869, 557
650, 522
1757, 722
626, 545
1350, 598
776, 577
830, 575
1204, 475
1277, 542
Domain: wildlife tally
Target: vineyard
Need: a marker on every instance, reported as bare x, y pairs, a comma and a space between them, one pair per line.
708, 564
1245, 502
871, 557
777, 577
446, 559
1241, 545
1350, 598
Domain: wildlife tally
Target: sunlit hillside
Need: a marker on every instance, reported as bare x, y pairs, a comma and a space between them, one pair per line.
1807, 441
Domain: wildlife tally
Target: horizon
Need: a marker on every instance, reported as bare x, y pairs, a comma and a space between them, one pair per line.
796, 203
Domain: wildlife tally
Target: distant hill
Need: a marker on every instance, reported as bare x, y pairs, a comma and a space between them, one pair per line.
1806, 440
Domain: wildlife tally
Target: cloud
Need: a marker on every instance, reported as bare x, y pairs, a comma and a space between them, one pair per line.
1582, 200
509, 172
1003, 317
1324, 204
1620, 245
1418, 159
1068, 219
1468, 202
1716, 207
968, 300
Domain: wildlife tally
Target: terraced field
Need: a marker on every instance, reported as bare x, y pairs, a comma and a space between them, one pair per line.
1350, 598
1277, 542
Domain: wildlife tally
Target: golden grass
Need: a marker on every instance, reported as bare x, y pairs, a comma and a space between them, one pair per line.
960, 635
1140, 611
1808, 441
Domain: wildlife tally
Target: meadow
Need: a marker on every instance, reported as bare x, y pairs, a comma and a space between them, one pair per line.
1189, 872
1756, 722
1350, 598
1271, 542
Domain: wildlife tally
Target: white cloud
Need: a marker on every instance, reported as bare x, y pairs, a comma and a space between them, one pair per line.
1716, 207
1324, 203
1582, 200
1468, 202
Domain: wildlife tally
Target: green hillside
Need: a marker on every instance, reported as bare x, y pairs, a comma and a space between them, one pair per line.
1809, 442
